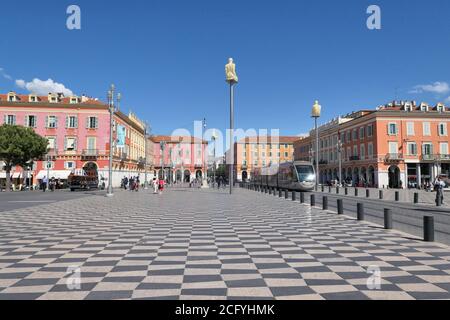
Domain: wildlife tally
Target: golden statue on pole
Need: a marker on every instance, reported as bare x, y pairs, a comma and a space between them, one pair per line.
230, 71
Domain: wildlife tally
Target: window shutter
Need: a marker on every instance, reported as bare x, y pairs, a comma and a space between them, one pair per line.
35, 122
87, 122
65, 144
14, 120
96, 123
75, 144
46, 121
56, 122
27, 121
76, 122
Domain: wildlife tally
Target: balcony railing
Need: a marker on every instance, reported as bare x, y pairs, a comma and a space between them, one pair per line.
90, 152
436, 157
355, 158
394, 157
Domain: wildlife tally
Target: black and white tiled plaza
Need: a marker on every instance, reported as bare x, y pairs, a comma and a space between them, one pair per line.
205, 244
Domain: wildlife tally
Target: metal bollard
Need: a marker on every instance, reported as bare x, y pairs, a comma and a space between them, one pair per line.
329, 189
294, 195
367, 193
356, 192
416, 198
360, 211
302, 197
280, 193
313, 200
340, 206
397, 196
337, 190
323, 188
428, 228
286, 194
388, 219
324, 203
346, 191
380, 194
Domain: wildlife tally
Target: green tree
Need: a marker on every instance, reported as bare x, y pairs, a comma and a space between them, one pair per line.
20, 146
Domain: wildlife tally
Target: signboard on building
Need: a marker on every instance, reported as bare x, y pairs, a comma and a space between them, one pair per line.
121, 134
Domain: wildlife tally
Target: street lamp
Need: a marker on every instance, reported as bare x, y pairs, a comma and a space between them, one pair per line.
214, 138
162, 145
111, 115
339, 150
232, 80
205, 158
316, 111
146, 155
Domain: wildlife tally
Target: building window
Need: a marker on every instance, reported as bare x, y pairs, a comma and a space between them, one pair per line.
70, 144
444, 148
349, 136
48, 165
69, 165
51, 143
92, 123
355, 151
412, 149
363, 151
410, 129
427, 148
392, 129
52, 122
31, 121
370, 130
370, 150
355, 135
443, 129
71, 122
426, 129
286, 154
10, 119
440, 108
362, 133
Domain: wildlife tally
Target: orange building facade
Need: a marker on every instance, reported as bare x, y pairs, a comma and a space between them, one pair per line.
399, 145
259, 152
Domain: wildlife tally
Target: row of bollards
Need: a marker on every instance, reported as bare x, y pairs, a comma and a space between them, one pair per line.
428, 221
368, 194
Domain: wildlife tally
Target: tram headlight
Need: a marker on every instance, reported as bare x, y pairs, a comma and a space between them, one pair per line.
310, 177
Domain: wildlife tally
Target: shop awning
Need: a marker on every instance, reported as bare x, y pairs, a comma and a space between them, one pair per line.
12, 175
57, 174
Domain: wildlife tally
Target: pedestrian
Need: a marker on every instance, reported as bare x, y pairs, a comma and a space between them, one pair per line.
137, 184
155, 185
161, 186
44, 183
439, 188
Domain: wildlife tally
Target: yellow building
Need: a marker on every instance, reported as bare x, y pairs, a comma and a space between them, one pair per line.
258, 152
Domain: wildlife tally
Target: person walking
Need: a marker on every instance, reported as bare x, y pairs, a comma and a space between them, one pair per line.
439, 188
161, 183
138, 182
44, 183
155, 185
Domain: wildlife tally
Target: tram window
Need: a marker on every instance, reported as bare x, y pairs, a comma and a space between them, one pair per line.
305, 173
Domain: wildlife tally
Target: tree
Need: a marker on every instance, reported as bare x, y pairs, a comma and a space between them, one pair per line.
20, 146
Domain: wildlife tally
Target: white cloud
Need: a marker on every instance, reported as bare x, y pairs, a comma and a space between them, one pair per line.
43, 87
4, 74
437, 87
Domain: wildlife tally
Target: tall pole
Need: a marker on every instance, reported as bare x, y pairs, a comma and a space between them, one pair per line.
214, 164
339, 146
317, 154
204, 158
111, 112
231, 172
146, 153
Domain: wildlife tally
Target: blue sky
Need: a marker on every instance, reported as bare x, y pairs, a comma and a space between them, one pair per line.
167, 57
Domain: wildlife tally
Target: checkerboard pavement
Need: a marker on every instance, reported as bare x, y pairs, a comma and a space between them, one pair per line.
204, 244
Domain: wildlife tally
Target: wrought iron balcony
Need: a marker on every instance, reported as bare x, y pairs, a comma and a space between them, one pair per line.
394, 157
355, 158
90, 152
436, 157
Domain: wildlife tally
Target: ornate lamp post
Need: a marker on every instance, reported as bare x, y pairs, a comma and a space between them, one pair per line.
316, 111
111, 115
146, 131
162, 144
232, 80
339, 150
205, 158
214, 138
